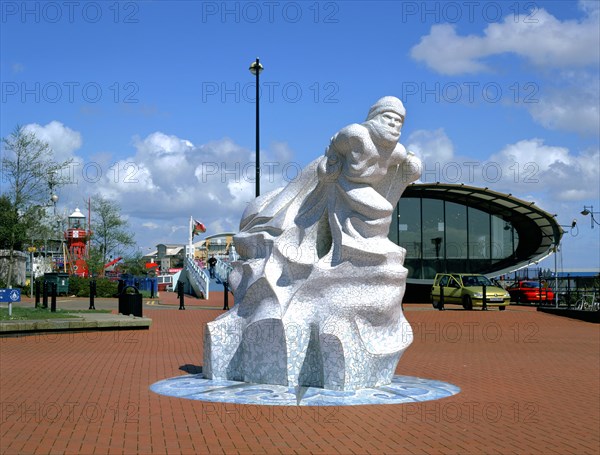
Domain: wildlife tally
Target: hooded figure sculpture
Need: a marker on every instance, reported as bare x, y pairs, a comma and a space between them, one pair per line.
319, 286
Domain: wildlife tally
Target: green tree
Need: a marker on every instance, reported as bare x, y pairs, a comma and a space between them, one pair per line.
8, 219
135, 264
94, 261
110, 233
31, 175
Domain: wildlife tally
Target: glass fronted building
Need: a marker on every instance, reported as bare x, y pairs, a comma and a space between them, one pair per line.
459, 228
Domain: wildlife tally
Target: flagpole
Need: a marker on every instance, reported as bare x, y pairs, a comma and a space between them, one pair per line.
190, 233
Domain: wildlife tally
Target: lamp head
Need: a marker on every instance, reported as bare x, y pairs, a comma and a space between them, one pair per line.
573, 223
585, 211
256, 66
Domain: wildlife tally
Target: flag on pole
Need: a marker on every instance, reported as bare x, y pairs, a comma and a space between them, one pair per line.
198, 228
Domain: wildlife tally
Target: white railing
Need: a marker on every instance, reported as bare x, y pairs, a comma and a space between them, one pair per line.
197, 276
222, 271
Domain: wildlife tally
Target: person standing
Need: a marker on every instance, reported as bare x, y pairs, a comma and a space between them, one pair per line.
212, 262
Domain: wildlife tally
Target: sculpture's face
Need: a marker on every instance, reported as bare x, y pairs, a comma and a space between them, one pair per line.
388, 125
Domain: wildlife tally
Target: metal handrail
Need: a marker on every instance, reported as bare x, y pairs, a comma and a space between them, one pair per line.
198, 275
222, 271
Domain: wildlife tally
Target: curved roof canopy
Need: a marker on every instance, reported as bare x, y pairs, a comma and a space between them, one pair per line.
538, 230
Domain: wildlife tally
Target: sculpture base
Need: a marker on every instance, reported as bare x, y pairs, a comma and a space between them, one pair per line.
403, 389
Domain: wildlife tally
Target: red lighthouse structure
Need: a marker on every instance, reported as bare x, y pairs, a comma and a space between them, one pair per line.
77, 236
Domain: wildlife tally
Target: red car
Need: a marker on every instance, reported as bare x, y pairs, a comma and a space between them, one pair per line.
529, 291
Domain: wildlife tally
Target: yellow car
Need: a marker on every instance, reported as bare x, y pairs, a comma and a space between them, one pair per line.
466, 289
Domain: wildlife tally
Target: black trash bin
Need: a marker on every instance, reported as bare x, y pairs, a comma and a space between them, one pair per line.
60, 279
130, 303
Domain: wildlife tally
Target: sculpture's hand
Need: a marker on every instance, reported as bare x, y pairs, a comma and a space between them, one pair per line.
399, 155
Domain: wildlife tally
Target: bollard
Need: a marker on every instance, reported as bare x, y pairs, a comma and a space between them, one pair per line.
540, 290
53, 288
37, 294
45, 295
152, 288
441, 304
120, 287
484, 289
180, 295
92, 294
225, 296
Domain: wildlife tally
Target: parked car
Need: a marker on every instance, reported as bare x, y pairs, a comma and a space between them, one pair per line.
466, 289
530, 291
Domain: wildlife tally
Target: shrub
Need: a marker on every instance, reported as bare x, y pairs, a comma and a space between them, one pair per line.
81, 287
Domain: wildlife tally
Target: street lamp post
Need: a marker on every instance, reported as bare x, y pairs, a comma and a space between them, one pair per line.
589, 210
256, 68
556, 250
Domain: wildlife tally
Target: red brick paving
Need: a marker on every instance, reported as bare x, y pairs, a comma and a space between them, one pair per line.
530, 384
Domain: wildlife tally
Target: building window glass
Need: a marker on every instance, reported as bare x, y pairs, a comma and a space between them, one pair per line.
502, 246
409, 234
456, 231
409, 227
479, 241
479, 234
442, 236
433, 237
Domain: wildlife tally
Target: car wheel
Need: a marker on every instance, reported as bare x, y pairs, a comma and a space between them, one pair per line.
467, 303
435, 304
502, 308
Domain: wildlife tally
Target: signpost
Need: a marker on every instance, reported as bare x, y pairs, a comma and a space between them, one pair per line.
10, 296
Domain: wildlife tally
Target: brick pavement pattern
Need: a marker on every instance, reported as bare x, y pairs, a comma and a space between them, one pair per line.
530, 384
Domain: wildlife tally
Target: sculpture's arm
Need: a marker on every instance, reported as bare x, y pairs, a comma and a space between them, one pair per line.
398, 155
351, 145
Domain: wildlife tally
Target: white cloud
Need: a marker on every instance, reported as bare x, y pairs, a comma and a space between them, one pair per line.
541, 39
431, 146
533, 151
573, 106
159, 144
590, 7
63, 140
530, 167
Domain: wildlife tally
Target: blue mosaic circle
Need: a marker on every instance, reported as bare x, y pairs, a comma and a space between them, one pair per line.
403, 389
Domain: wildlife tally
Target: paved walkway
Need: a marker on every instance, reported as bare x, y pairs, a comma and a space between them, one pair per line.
529, 380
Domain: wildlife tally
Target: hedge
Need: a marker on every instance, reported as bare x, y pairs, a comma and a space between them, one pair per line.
81, 287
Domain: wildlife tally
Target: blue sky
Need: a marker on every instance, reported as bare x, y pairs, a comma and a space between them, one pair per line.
155, 103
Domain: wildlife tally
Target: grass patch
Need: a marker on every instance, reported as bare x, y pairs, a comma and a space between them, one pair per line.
22, 314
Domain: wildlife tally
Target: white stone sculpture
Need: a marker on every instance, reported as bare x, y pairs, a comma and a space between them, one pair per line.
319, 286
